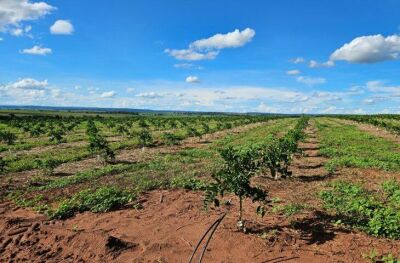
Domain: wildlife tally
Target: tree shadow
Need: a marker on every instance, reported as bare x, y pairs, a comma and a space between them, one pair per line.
314, 178
61, 174
310, 166
123, 162
310, 148
314, 229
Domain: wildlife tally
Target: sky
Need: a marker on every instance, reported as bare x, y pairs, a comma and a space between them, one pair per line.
311, 56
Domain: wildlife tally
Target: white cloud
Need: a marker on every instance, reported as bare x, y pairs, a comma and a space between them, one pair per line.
297, 60
108, 94
56, 93
189, 54
192, 79
17, 32
208, 48
263, 107
26, 90
229, 40
293, 72
15, 12
28, 83
62, 27
130, 90
150, 95
369, 49
1, 39
37, 50
378, 86
315, 64
310, 81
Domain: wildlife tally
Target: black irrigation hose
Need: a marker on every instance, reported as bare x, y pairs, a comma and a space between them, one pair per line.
209, 238
212, 228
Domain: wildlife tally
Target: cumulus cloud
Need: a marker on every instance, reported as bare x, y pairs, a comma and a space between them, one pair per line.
108, 94
150, 95
192, 79
378, 86
316, 64
293, 72
37, 50
229, 40
15, 12
62, 27
297, 60
263, 107
189, 54
369, 49
208, 48
27, 83
310, 81
25, 90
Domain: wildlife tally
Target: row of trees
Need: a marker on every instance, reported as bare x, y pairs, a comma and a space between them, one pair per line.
57, 127
242, 163
377, 121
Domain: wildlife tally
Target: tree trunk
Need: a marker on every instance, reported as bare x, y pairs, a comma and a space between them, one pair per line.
240, 207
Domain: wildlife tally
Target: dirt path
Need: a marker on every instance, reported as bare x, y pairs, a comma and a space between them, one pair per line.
310, 164
371, 129
308, 173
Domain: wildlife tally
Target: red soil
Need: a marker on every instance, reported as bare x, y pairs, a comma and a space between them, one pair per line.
167, 232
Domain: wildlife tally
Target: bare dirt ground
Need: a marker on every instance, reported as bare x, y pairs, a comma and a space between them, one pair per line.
170, 223
168, 232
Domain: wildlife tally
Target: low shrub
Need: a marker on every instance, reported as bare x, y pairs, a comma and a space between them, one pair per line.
376, 213
102, 200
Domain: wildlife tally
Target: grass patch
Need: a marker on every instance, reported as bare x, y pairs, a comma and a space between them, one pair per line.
101, 200
347, 146
374, 212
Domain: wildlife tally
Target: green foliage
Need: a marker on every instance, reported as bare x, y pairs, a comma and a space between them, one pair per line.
239, 166
98, 144
145, 138
37, 202
188, 182
122, 129
277, 153
192, 132
57, 135
374, 257
46, 165
171, 139
347, 146
102, 200
3, 165
8, 137
289, 209
372, 212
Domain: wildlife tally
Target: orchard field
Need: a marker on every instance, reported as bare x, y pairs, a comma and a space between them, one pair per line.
122, 187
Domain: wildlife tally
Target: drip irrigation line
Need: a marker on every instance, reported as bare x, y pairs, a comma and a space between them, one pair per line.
209, 238
212, 228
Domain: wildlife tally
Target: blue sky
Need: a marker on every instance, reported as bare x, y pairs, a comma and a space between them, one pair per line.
241, 56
